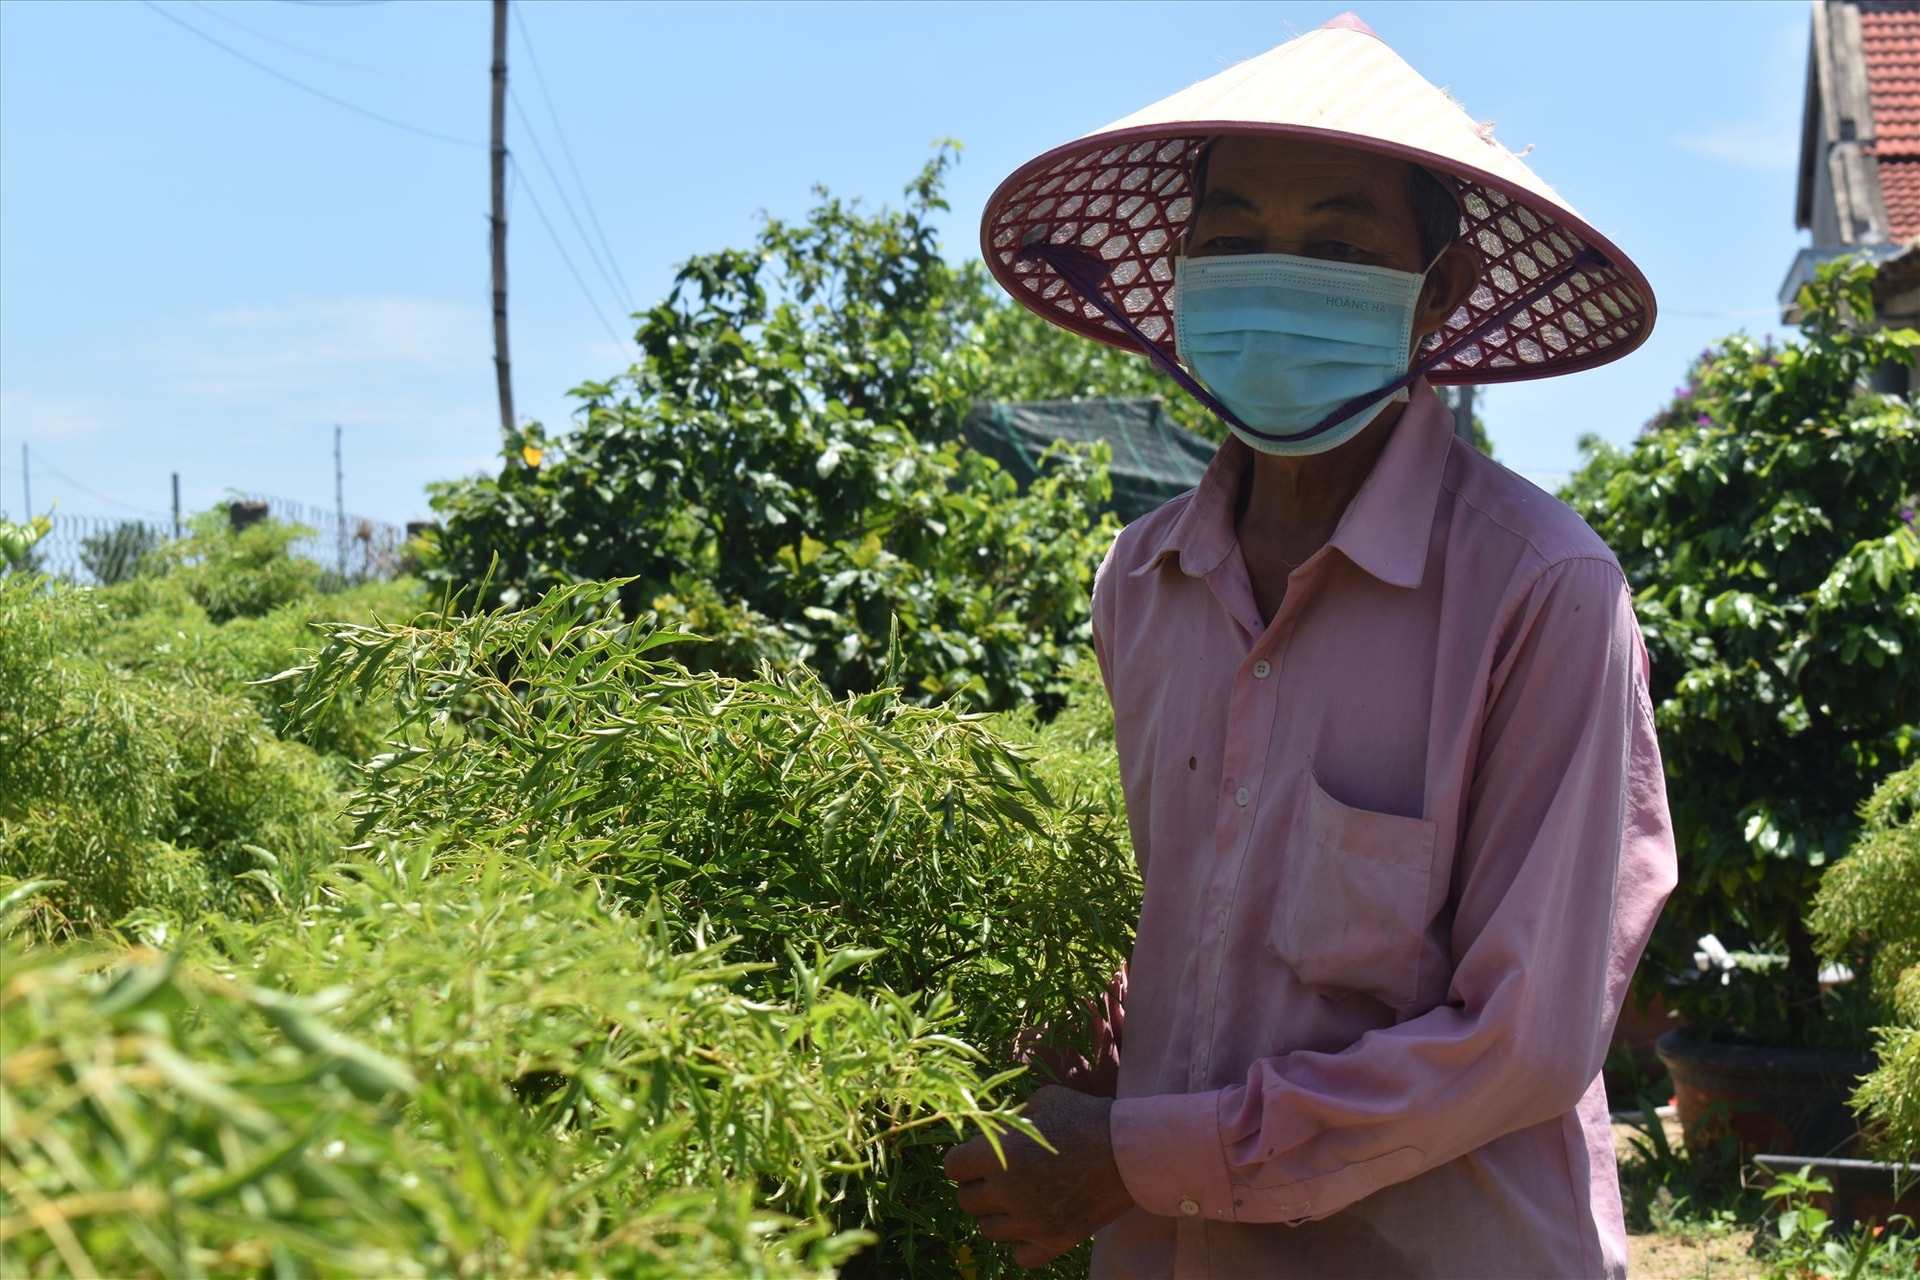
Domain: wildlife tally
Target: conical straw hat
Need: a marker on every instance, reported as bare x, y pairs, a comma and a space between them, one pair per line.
1121, 196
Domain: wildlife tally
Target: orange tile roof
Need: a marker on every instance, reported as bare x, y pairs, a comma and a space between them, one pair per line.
1900, 184
1890, 39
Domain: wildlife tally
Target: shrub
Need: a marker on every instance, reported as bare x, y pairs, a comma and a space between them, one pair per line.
560, 1091
1073, 753
1873, 897
136, 792
244, 574
764, 810
1759, 523
153, 630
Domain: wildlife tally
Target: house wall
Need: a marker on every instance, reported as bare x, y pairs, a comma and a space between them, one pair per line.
1826, 218
1847, 206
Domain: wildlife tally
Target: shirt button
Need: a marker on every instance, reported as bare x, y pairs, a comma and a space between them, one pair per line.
1188, 1207
1262, 669
1220, 920
1241, 797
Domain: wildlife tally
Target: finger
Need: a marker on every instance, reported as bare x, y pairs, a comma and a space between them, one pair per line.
971, 1160
1003, 1227
977, 1198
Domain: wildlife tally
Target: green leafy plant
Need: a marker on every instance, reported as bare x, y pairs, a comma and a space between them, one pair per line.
1760, 523
17, 540
1667, 1185
141, 768
766, 810
557, 1090
152, 630
144, 786
1073, 752
1872, 898
1805, 1245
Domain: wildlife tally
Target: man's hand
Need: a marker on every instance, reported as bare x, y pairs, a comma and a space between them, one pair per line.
1041, 1203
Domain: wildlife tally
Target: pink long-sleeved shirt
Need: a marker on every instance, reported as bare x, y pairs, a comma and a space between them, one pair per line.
1402, 848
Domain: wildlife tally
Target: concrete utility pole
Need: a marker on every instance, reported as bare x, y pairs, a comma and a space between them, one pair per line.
176, 504
502, 366
339, 502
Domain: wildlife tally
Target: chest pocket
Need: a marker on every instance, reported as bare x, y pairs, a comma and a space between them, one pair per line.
1354, 900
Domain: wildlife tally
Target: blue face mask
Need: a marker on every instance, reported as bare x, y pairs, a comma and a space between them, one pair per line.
1287, 343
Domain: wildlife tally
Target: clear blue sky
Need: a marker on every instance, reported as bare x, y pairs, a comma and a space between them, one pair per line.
203, 268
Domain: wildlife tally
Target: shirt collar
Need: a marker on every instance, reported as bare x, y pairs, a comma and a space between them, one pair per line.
1384, 530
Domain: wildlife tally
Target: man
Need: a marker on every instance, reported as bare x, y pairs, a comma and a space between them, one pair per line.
1380, 705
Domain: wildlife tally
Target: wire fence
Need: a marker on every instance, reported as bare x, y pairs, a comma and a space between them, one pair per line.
358, 549
95, 550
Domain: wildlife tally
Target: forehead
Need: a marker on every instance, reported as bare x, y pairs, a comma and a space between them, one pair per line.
1273, 170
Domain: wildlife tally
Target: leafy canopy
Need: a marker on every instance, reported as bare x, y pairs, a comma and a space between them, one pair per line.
1764, 523
780, 471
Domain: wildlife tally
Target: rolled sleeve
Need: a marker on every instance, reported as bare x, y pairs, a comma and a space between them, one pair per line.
1170, 1156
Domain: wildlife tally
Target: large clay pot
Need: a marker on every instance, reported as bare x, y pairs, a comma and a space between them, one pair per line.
1791, 1101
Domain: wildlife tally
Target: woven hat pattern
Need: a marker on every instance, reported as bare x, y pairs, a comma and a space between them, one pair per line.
1125, 194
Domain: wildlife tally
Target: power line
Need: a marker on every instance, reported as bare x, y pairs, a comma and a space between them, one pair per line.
257, 34
41, 467
540, 79
565, 203
571, 269
307, 88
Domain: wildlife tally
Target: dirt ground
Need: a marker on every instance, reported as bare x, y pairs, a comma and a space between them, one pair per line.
1704, 1255
1708, 1256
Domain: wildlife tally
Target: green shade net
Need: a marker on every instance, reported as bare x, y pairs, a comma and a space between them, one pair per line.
1153, 459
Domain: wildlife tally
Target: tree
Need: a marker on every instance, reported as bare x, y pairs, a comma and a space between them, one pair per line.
781, 470
115, 555
1764, 523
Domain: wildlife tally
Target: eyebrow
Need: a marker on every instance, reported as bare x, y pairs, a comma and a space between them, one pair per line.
1224, 198
1355, 202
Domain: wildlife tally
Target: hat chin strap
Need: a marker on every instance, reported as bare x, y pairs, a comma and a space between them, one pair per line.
1086, 274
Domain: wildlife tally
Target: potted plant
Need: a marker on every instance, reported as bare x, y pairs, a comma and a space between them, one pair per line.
1764, 521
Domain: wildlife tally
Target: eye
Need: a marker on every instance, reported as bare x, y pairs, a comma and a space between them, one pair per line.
1226, 244
1338, 250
